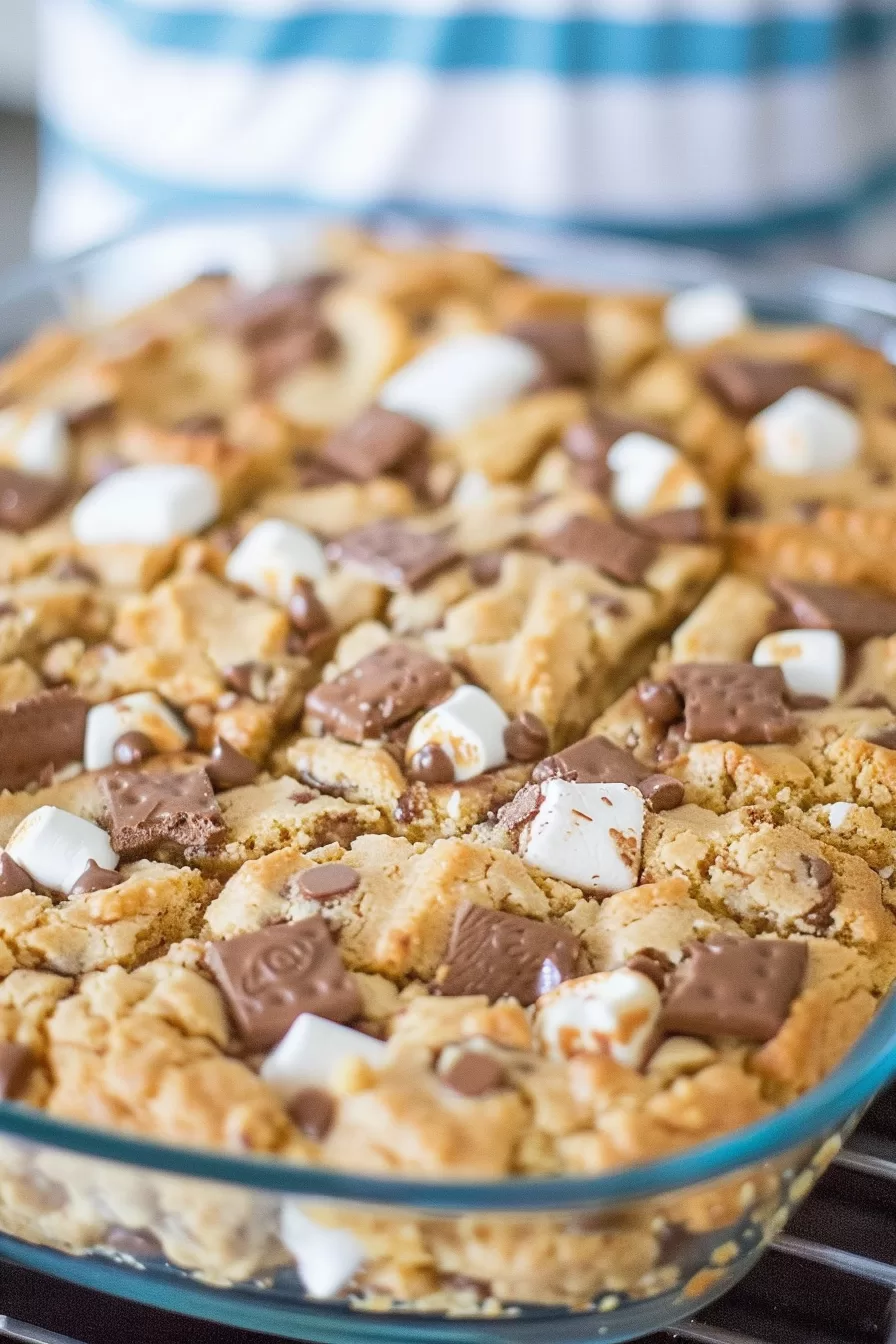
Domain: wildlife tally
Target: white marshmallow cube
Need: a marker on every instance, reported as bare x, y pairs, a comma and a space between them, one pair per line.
469, 727
327, 1258
838, 813
272, 556
311, 1050
460, 380
806, 432
613, 1012
812, 661
703, 314
142, 712
55, 847
147, 505
649, 476
35, 441
587, 834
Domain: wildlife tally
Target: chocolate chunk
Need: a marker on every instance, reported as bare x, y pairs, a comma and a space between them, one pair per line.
734, 987
382, 689
872, 700
854, 614
326, 881
680, 527
204, 423
72, 570
662, 792
485, 569
747, 386
306, 611
139, 1245
269, 978
376, 442
397, 556
660, 702
274, 359
743, 503
806, 702
521, 808
526, 738
95, 878
43, 730
147, 811
502, 955
473, 1074
249, 679
16, 1065
594, 760
589, 443
27, 500
13, 878
564, 345
608, 547
133, 748
884, 737
733, 702
312, 1111
431, 765
257, 318
819, 870
229, 768
653, 963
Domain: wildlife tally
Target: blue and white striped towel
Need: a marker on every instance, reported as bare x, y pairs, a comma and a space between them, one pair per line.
707, 121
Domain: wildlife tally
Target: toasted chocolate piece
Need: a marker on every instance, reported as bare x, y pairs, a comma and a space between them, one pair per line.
431, 765
733, 702
41, 731
148, 811
396, 556
660, 702
95, 878
500, 955
16, 1064
326, 881
270, 977
473, 1074
526, 738
680, 527
747, 386
13, 878
229, 768
606, 546
133, 748
312, 1111
26, 499
382, 689
376, 442
564, 345
855, 615
734, 987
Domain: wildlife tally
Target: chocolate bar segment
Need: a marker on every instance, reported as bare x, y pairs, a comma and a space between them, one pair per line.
854, 614
503, 955
376, 442
382, 689
733, 702
148, 811
734, 987
395, 554
606, 546
41, 731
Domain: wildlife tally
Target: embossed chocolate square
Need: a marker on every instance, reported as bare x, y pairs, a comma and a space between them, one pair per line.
387, 686
270, 977
40, 731
395, 554
150, 811
500, 955
733, 702
604, 545
734, 987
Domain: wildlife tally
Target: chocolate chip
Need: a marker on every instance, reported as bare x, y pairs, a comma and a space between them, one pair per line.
431, 765
606, 546
133, 748
312, 1111
229, 768
306, 611
249, 679
854, 614
653, 963
743, 503
473, 1074
326, 881
378, 441
16, 1066
269, 978
139, 1245
395, 554
682, 527
733, 702
526, 738
13, 879
148, 811
819, 870
500, 955
95, 878
381, 690
734, 987
485, 569
564, 345
662, 792
41, 731
409, 806
660, 702
27, 500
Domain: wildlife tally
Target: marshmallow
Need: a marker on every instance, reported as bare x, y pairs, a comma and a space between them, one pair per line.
310, 1051
813, 661
55, 847
613, 1012
650, 476
838, 814
469, 727
587, 834
473, 488
35, 441
804, 432
147, 505
460, 380
327, 1258
142, 712
706, 313
272, 556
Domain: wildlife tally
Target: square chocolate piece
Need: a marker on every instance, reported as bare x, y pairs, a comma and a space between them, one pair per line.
395, 554
594, 760
270, 977
503, 955
609, 547
382, 689
564, 345
733, 702
854, 614
376, 442
148, 812
41, 731
27, 500
734, 987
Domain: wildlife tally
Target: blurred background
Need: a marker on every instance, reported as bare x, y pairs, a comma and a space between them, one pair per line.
18, 135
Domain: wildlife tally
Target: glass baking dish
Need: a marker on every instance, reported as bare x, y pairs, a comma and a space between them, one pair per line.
202, 1232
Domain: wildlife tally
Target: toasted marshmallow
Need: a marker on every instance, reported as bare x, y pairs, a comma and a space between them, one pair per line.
813, 661
838, 813
142, 712
469, 727
311, 1050
460, 380
272, 556
147, 505
613, 1012
804, 432
327, 1258
650, 476
55, 847
706, 313
35, 441
587, 834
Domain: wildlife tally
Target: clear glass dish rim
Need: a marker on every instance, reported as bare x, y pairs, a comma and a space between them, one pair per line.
866, 1068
